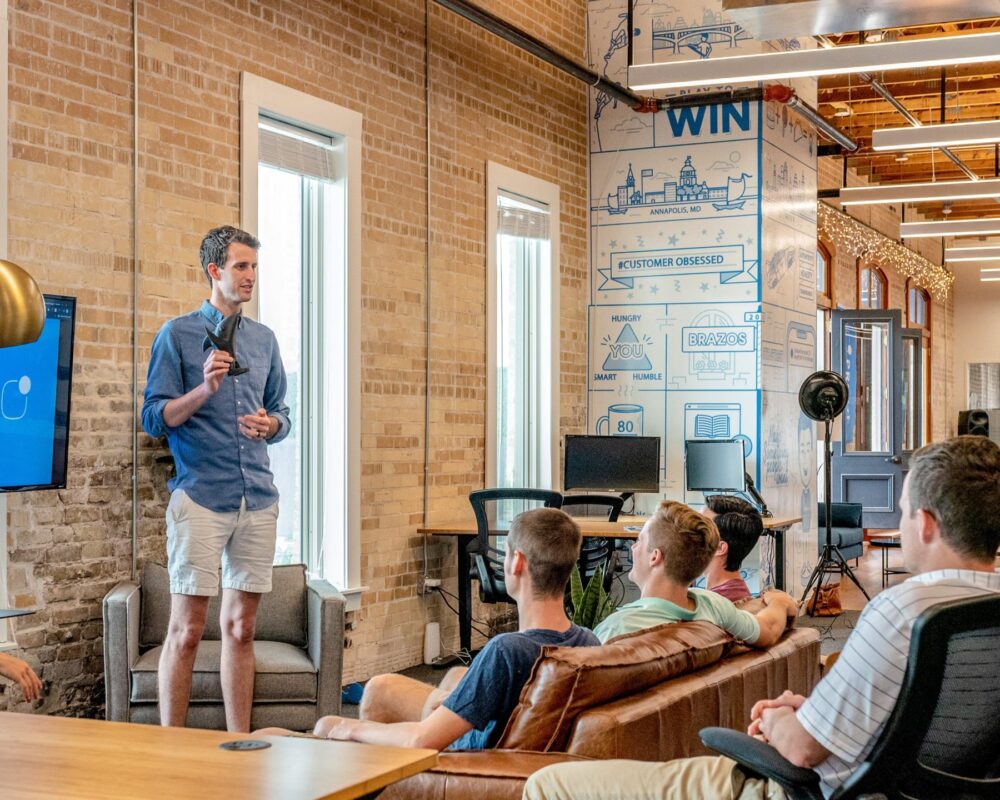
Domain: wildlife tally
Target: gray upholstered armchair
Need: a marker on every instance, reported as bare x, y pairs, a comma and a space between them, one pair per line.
299, 651
846, 528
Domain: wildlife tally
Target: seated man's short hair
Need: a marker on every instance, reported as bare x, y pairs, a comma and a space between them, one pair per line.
739, 524
550, 540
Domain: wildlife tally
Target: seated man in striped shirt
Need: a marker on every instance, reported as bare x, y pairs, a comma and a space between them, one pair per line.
949, 531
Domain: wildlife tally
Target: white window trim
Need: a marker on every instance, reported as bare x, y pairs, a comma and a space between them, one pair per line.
499, 177
259, 94
5, 643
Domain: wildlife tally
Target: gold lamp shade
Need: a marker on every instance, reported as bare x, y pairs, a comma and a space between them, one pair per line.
22, 308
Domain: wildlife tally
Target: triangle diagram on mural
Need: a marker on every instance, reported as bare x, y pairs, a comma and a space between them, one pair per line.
627, 353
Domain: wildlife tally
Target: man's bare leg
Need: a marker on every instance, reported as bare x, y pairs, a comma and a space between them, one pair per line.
396, 698
187, 623
238, 621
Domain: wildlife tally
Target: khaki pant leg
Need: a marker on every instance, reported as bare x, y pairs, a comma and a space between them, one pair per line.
704, 778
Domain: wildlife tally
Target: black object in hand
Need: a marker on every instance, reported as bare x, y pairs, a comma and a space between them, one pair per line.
225, 341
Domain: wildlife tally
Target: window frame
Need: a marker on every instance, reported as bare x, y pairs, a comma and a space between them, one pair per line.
500, 177
924, 326
258, 94
825, 299
926, 337
876, 272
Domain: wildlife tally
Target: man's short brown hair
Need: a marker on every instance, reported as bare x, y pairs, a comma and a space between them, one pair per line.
686, 538
958, 481
550, 541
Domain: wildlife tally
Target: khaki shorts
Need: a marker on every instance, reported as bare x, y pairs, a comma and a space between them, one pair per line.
199, 539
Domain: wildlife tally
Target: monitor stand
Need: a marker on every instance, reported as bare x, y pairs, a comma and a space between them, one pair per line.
752, 491
626, 496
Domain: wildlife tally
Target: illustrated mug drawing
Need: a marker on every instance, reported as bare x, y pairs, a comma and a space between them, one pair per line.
622, 419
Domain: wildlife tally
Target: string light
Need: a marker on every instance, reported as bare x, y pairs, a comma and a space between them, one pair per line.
846, 233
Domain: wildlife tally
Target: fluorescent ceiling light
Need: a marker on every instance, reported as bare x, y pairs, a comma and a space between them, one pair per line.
920, 192
989, 280
994, 269
958, 227
965, 49
972, 254
956, 134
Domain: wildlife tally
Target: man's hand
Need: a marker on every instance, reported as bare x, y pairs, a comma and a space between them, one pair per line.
215, 368
785, 700
23, 675
332, 727
257, 426
782, 600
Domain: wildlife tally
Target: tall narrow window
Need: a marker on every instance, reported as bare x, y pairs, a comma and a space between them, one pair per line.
824, 307
918, 315
304, 209
523, 423
824, 304
873, 287
301, 223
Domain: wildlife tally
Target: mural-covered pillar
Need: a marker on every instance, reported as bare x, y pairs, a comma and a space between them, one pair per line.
703, 287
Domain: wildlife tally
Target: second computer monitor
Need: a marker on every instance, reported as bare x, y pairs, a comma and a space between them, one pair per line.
714, 465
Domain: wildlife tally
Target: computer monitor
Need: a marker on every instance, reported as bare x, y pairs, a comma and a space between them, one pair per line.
612, 464
714, 465
35, 382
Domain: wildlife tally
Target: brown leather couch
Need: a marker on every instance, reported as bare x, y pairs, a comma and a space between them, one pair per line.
642, 696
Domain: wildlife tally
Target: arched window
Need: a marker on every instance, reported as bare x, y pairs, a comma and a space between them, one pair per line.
873, 287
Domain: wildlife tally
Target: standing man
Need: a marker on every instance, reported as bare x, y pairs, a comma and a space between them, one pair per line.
223, 503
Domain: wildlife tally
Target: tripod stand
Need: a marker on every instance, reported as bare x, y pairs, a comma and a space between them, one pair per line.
830, 558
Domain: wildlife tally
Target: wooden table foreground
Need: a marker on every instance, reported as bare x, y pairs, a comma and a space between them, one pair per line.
59, 757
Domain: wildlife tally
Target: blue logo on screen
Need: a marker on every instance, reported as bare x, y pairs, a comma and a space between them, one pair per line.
28, 376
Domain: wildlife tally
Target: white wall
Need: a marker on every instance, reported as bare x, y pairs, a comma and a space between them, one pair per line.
977, 327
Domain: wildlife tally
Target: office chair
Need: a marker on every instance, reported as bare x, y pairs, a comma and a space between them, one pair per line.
941, 738
487, 560
595, 552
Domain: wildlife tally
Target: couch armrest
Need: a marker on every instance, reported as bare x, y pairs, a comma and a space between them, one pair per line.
325, 628
467, 775
121, 647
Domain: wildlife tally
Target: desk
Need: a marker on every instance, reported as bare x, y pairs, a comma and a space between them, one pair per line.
593, 527
61, 757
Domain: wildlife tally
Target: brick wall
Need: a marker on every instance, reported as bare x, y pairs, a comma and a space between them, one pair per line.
71, 226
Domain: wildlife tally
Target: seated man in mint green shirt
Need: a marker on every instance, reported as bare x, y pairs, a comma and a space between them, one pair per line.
675, 547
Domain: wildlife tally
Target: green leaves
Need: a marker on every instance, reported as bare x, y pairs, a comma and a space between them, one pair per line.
592, 604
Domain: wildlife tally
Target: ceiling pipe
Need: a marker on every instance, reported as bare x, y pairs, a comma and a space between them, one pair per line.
890, 98
786, 95
536, 47
511, 33
529, 43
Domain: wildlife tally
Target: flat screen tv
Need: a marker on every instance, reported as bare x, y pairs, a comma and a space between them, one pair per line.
612, 463
714, 465
35, 383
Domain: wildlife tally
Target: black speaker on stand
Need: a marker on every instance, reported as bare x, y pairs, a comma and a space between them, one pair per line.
822, 397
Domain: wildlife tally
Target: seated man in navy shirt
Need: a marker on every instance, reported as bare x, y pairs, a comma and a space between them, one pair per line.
542, 547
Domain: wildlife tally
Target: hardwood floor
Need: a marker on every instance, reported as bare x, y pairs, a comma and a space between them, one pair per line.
869, 572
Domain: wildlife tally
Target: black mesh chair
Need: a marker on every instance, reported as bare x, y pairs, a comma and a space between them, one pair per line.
942, 739
595, 552
490, 506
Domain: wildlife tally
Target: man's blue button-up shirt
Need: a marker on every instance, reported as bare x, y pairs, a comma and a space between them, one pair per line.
216, 465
